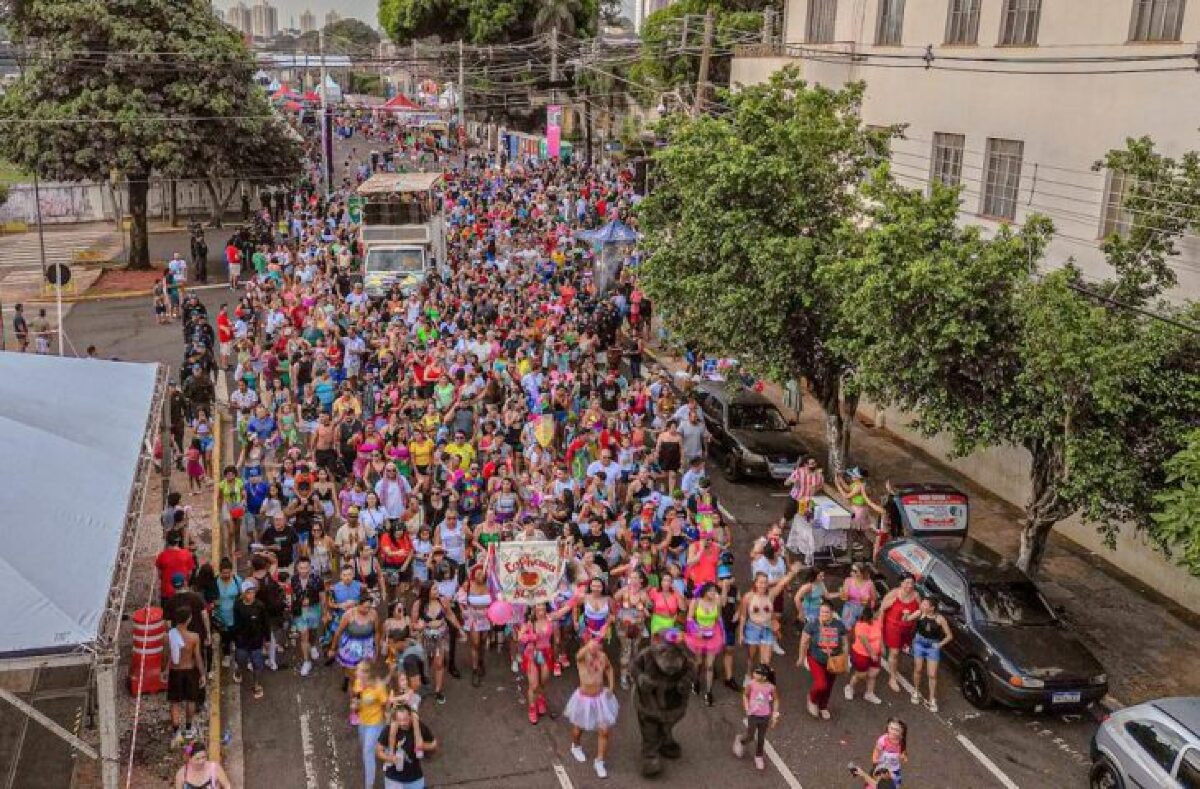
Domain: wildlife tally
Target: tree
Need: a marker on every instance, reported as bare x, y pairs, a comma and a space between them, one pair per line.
479, 22
747, 209
557, 15
345, 36
156, 87
665, 62
1177, 513
961, 331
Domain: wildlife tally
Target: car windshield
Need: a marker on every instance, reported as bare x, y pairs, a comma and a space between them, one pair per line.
1016, 603
403, 261
756, 417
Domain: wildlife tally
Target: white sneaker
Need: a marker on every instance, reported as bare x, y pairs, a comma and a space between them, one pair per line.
871, 697
778, 650
306, 668
739, 747
516, 666
271, 664
600, 771
848, 692
577, 752
314, 653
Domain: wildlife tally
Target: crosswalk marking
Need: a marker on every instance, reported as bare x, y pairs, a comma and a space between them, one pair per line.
24, 251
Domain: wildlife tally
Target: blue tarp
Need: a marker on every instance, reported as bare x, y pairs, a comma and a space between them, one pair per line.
615, 232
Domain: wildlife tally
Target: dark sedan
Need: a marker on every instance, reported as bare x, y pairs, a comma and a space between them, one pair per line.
749, 435
1009, 645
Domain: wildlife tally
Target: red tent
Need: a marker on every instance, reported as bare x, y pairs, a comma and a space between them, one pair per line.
400, 103
312, 96
292, 106
282, 92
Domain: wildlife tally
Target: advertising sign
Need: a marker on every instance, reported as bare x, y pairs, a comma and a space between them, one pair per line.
935, 511
553, 130
528, 572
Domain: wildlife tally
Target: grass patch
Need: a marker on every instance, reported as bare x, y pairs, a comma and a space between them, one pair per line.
12, 174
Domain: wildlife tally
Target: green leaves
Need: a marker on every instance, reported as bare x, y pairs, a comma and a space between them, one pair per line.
483, 21
1177, 514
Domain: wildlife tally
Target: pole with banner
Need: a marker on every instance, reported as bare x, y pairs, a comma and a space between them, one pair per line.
553, 130
527, 573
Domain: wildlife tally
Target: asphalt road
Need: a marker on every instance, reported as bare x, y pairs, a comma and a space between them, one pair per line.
298, 735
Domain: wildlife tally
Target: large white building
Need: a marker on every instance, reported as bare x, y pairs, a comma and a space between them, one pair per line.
264, 19
308, 22
1013, 99
240, 18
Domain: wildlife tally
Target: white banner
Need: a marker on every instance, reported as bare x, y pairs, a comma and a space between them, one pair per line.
528, 572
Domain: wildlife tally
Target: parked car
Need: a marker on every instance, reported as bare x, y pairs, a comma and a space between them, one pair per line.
1149, 745
1009, 644
750, 437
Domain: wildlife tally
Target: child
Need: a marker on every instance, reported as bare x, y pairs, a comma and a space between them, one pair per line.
891, 749
195, 467
760, 701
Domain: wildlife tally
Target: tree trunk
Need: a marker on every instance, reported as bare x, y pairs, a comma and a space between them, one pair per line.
1044, 509
839, 421
139, 239
217, 201
174, 210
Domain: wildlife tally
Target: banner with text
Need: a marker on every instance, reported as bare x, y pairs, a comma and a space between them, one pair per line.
528, 572
553, 130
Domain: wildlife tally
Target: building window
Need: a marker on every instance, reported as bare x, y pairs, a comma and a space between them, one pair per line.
1020, 25
891, 23
1156, 20
821, 17
947, 158
1115, 218
962, 24
1001, 178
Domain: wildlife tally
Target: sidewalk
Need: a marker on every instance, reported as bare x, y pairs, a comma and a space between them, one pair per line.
1145, 642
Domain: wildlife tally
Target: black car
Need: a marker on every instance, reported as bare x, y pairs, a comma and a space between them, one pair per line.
1009, 645
749, 435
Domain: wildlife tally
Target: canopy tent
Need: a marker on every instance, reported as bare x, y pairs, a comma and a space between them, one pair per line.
75, 455
400, 103
69, 463
615, 232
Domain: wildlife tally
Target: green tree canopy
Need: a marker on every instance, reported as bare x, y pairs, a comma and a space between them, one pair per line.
345, 36
1177, 513
136, 88
962, 332
481, 21
747, 208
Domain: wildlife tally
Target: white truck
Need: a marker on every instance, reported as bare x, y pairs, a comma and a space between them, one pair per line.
403, 232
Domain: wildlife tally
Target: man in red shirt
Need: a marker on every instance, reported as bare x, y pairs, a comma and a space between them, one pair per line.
171, 560
224, 334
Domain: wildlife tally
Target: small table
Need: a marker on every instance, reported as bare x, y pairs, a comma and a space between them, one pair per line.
828, 529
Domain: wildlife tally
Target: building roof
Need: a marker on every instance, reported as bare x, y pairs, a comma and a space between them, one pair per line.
73, 434
387, 183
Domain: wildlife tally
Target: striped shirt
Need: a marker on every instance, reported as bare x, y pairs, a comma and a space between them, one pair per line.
806, 482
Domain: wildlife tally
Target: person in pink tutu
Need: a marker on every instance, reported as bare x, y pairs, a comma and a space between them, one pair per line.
705, 636
593, 706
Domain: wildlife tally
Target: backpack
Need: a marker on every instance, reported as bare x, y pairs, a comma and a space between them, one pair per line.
273, 597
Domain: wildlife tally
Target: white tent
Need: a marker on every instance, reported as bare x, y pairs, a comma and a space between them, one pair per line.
74, 438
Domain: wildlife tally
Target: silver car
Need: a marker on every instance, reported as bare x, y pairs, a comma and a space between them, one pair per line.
1156, 744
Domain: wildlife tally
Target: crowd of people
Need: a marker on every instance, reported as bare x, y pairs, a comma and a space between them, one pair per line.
384, 445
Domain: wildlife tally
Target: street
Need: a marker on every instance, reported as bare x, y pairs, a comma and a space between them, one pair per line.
298, 734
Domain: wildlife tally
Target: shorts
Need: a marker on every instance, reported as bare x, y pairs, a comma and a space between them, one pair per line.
226, 348
309, 619
756, 635
250, 658
926, 649
863, 663
183, 685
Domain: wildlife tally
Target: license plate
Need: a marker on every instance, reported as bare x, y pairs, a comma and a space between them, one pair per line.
1065, 698
780, 471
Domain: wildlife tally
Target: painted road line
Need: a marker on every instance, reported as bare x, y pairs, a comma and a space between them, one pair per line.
983, 759
564, 780
725, 513
306, 746
979, 755
789, 777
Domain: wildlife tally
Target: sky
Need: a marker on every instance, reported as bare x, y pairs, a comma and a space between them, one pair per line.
366, 10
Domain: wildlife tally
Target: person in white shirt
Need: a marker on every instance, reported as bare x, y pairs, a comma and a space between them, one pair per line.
691, 478
610, 469
393, 491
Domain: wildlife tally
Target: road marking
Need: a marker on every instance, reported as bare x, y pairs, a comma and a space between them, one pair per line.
306, 747
983, 759
973, 749
789, 778
780, 495
725, 513
564, 780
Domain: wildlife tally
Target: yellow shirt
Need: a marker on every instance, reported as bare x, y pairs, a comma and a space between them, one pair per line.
372, 701
464, 451
524, 366
421, 452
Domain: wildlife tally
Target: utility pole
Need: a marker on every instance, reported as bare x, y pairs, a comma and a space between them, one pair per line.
705, 57
462, 101
326, 120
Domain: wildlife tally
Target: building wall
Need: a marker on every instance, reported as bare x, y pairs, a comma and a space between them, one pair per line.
1066, 121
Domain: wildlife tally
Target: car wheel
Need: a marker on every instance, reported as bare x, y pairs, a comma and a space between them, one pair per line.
975, 685
732, 466
1104, 775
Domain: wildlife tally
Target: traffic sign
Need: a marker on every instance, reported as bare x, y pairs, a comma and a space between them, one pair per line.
58, 274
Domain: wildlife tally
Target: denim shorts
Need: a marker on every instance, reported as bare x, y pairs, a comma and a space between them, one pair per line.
754, 635
926, 649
